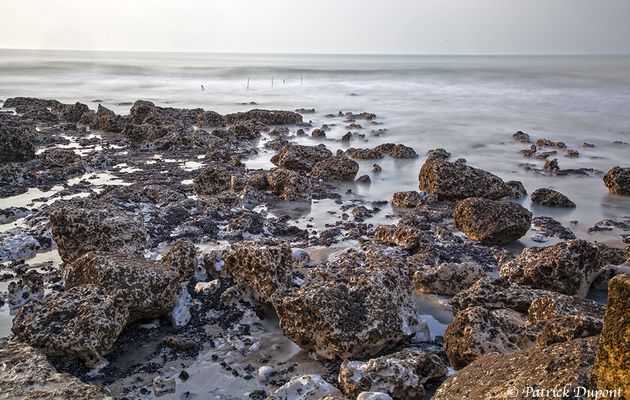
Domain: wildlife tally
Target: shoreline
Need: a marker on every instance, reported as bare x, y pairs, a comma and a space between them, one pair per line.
225, 246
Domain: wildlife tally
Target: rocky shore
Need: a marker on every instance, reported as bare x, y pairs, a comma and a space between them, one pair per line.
174, 270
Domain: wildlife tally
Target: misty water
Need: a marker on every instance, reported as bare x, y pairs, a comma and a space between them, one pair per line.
469, 105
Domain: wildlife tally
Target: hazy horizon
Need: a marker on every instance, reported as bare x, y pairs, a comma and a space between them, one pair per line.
371, 27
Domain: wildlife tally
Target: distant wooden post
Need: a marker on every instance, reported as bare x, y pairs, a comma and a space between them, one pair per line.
271, 80
301, 78
248, 83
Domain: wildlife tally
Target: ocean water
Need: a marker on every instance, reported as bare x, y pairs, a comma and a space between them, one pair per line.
469, 105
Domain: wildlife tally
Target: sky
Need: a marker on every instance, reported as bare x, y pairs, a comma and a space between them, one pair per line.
321, 26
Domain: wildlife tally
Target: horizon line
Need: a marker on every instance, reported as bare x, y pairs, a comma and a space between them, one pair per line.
321, 53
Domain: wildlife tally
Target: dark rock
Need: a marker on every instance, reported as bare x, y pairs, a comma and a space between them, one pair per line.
268, 117
17, 143
290, 185
212, 179
408, 199
551, 198
521, 137
365, 179
490, 221
364, 154
301, 158
396, 150
337, 168
617, 180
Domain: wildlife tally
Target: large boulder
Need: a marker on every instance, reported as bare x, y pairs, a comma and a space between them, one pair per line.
82, 322
289, 185
337, 168
401, 375
613, 356
456, 181
564, 366
352, 308
491, 221
28, 375
569, 267
149, 288
263, 266
617, 180
17, 143
551, 198
212, 179
300, 158
83, 225
477, 331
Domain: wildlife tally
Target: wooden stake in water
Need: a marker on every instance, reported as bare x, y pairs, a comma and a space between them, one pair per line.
247, 83
271, 80
301, 76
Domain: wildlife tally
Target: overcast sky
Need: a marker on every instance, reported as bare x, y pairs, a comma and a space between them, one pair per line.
321, 26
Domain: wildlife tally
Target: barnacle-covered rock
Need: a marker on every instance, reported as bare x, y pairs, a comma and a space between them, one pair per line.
364, 154
263, 266
305, 387
83, 225
408, 199
289, 185
17, 142
351, 308
212, 179
617, 180
148, 287
27, 375
551, 198
337, 168
448, 278
300, 158
82, 322
491, 221
569, 267
396, 150
401, 375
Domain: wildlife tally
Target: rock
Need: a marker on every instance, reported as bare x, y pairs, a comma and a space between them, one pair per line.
147, 287
290, 185
82, 322
551, 198
364, 179
550, 227
456, 181
560, 318
163, 385
477, 331
108, 121
59, 157
449, 278
550, 143
351, 310
401, 235
337, 168
268, 117
364, 154
73, 112
517, 189
300, 158
305, 387
496, 294
572, 153
212, 179
183, 258
17, 143
27, 375
263, 266
10, 214
83, 225
346, 137
318, 133
613, 355
376, 168
617, 180
373, 396
491, 221
565, 366
30, 287
396, 150
408, 199
568, 267
400, 375
521, 137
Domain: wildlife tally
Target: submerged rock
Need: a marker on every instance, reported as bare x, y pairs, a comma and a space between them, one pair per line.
400, 375
268, 117
27, 375
551, 198
617, 180
364, 154
522, 137
300, 158
337, 168
456, 181
83, 225
569, 267
490, 221
351, 310
564, 366
613, 354
396, 150
263, 266
82, 322
147, 287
